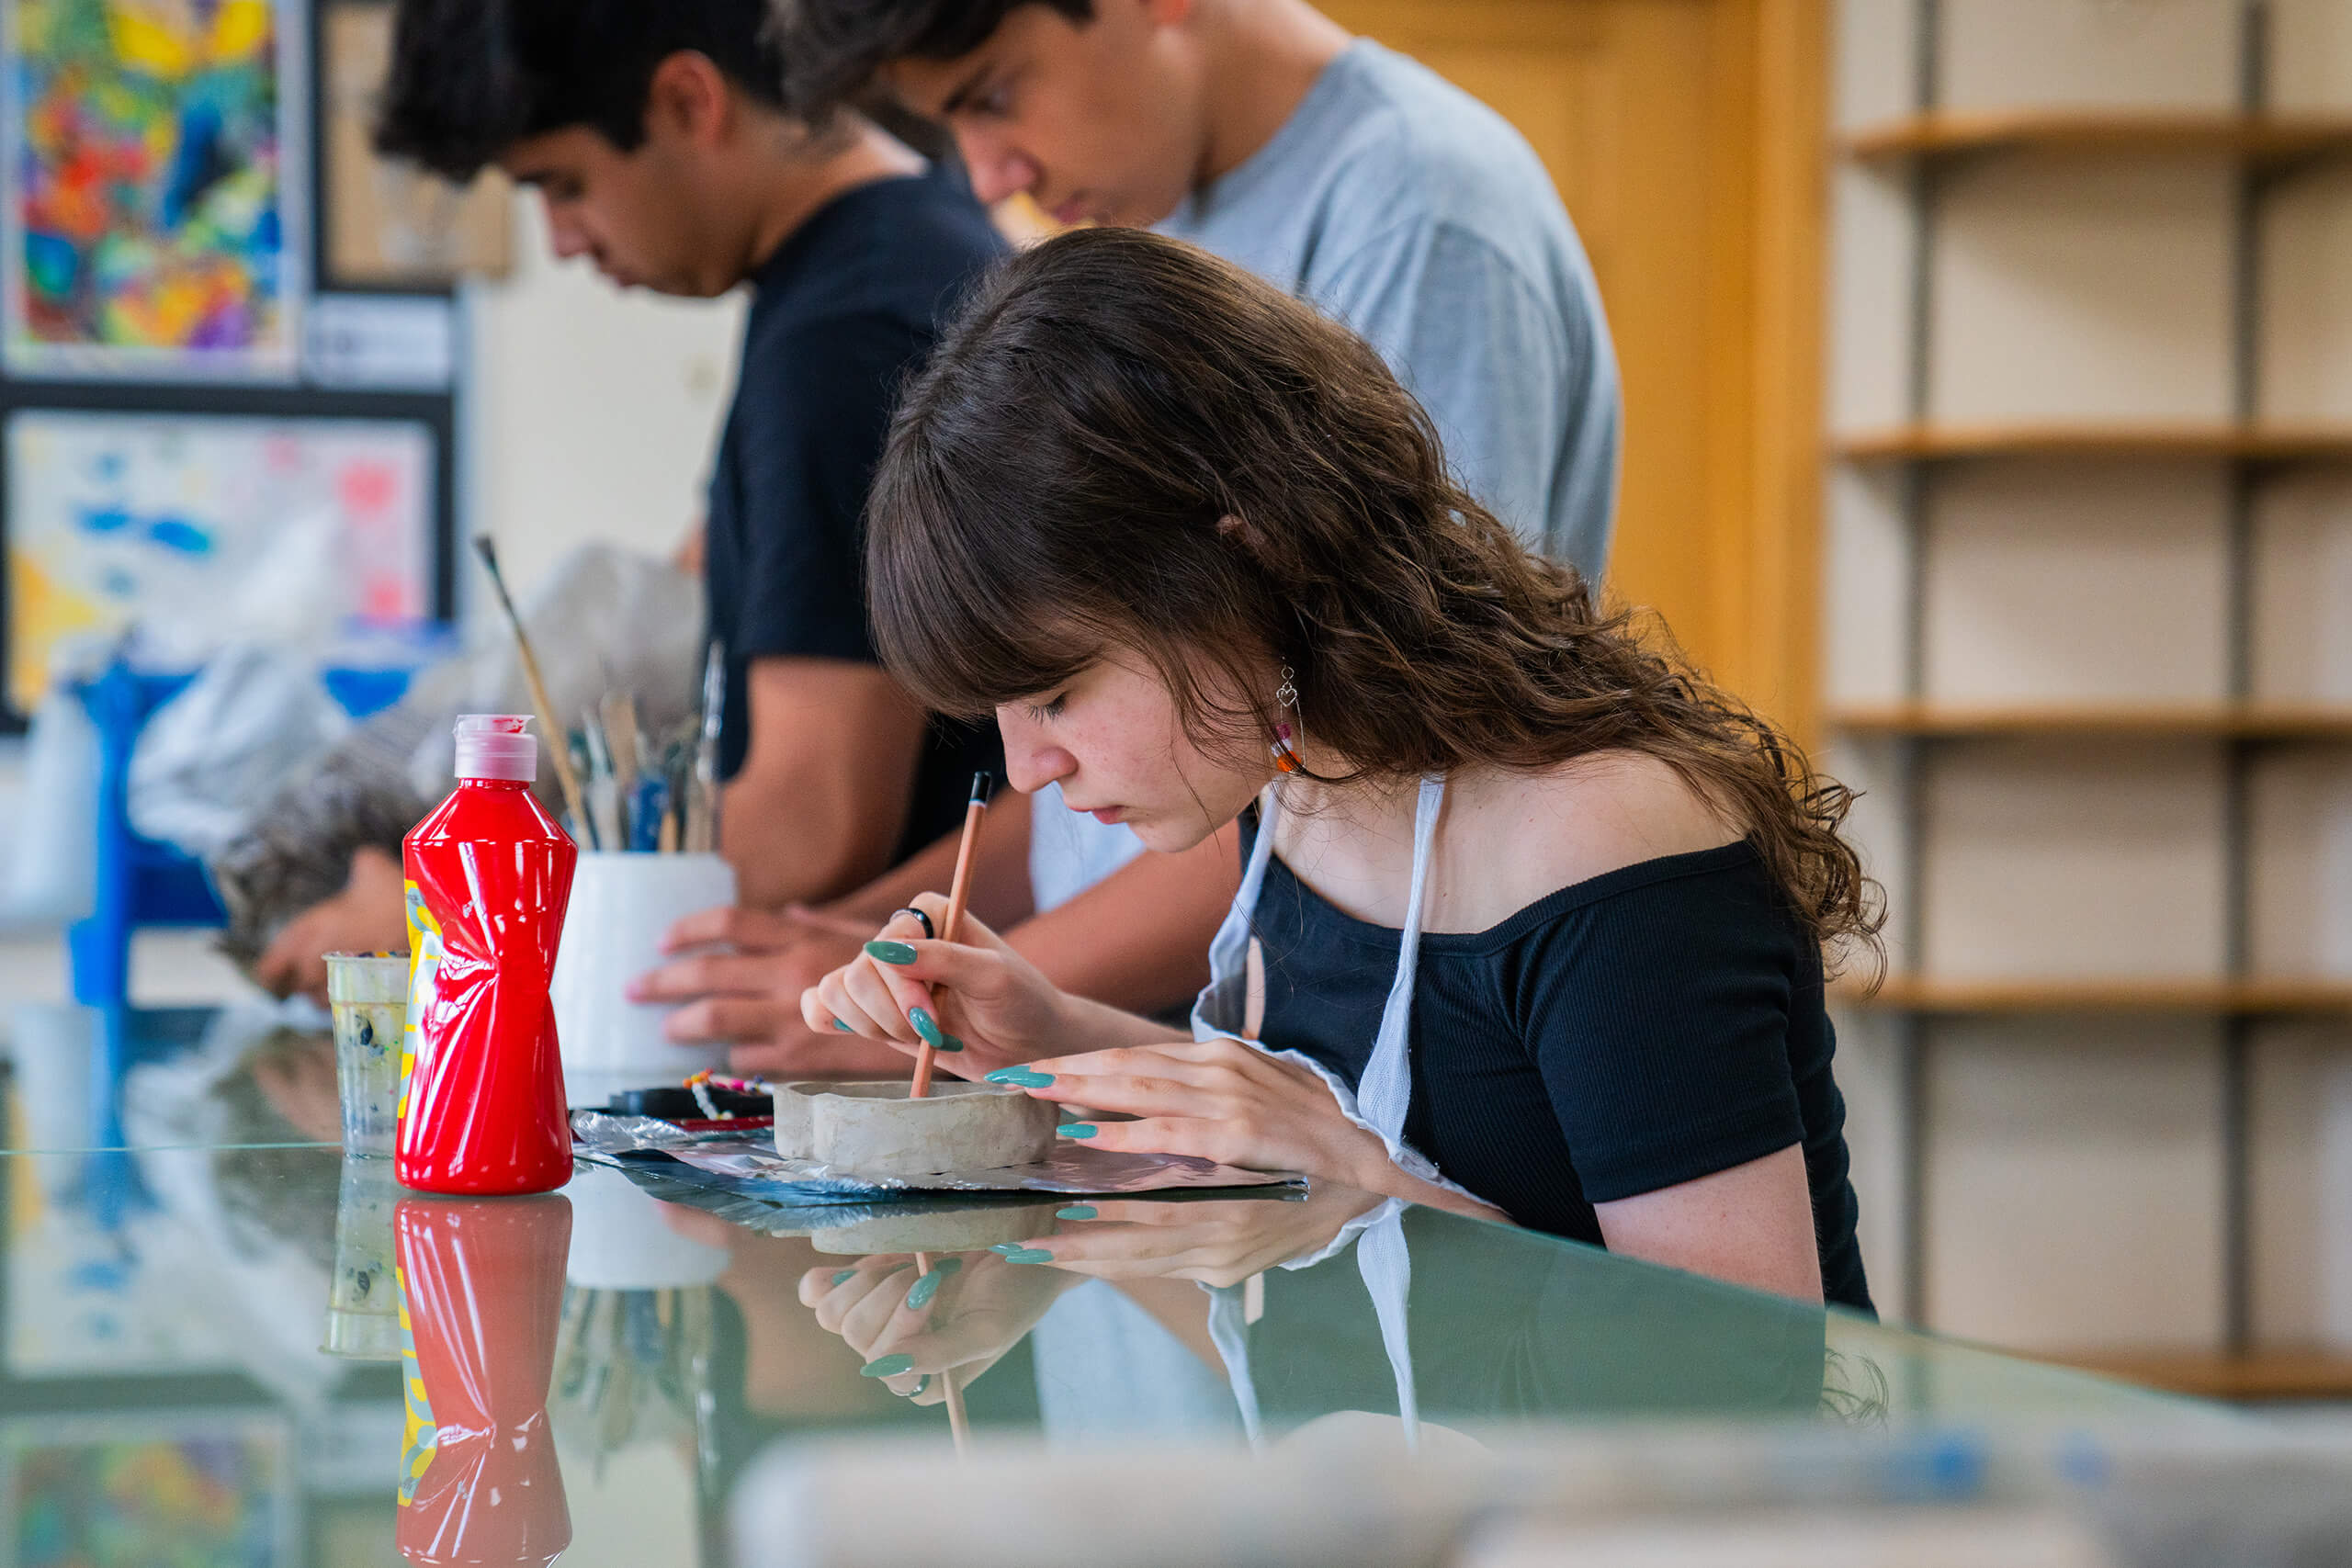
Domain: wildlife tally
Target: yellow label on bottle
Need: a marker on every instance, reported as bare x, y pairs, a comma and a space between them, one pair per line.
424, 987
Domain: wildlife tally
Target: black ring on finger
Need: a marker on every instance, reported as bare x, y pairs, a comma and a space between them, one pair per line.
931, 932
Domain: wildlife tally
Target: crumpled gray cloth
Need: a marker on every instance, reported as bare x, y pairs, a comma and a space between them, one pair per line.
254, 716
256, 725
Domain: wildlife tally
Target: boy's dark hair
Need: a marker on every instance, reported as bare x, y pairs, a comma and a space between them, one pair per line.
298, 852
832, 48
470, 78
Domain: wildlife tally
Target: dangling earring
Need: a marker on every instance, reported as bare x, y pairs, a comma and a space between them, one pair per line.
1286, 695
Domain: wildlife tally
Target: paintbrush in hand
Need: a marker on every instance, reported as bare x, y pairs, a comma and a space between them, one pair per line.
959, 893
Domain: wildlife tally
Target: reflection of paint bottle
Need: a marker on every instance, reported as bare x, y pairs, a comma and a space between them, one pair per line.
482, 1104
481, 1294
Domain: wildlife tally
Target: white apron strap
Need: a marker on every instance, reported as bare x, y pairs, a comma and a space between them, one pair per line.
1229, 1332
1383, 1095
1218, 1008
1386, 1089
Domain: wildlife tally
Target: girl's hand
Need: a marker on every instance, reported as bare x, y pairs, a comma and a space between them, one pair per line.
1216, 1100
980, 1003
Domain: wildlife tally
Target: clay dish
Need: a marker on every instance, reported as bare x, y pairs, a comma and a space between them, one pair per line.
873, 1129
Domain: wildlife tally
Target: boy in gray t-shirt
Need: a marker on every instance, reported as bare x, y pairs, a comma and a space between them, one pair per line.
1260, 131
1413, 212
1347, 174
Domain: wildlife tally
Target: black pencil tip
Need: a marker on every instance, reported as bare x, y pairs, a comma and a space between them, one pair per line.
983, 786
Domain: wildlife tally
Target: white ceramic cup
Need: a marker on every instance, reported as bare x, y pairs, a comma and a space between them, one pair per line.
621, 906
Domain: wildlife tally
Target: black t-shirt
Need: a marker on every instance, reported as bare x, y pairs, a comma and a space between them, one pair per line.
1646, 1026
843, 314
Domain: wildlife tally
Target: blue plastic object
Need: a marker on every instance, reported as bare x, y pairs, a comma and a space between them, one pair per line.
142, 882
363, 693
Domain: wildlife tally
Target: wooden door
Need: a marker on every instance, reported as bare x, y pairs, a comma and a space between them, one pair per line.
1685, 138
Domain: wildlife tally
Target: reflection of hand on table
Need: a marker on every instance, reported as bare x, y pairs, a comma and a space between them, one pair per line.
789, 1370
1214, 1242
979, 1310
749, 999
298, 1081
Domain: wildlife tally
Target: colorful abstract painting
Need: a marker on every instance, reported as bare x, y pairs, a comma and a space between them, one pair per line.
155, 211
183, 1489
203, 529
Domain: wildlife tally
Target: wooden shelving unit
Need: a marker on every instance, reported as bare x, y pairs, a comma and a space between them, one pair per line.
2261, 139
2215, 721
2253, 1377
1927, 480
1928, 442
2254, 997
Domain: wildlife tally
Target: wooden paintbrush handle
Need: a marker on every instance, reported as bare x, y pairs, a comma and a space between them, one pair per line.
959, 891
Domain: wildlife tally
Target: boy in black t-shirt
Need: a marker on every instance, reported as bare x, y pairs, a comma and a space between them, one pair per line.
654, 133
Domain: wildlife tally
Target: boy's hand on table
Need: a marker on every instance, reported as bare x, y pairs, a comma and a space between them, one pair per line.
738, 977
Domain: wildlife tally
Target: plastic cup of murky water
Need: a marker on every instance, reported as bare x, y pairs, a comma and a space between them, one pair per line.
369, 994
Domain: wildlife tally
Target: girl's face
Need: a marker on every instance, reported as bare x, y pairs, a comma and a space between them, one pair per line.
1111, 739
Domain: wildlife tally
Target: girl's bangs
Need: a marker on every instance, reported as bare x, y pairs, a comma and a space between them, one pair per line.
966, 616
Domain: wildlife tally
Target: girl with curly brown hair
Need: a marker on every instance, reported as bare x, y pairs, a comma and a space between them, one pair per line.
1543, 915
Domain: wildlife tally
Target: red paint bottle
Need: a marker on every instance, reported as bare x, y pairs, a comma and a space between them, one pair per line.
481, 1297
482, 1104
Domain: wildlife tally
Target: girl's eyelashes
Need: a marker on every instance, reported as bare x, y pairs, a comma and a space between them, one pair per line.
1050, 708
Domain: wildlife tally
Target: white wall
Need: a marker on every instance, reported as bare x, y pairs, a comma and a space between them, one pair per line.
594, 413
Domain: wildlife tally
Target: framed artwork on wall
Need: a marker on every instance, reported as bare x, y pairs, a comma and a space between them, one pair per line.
201, 528
156, 216
387, 225
175, 1485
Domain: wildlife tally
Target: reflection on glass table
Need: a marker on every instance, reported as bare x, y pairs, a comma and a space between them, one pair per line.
592, 1373
100, 1078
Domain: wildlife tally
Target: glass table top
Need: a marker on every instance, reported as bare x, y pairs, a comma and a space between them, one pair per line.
217, 1329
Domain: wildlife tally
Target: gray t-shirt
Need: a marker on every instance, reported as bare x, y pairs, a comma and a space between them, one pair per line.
1408, 209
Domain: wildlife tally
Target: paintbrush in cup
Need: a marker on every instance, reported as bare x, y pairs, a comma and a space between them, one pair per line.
558, 749
959, 893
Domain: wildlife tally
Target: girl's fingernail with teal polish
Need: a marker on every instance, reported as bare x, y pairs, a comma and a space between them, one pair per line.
925, 1288
1028, 1254
947, 1266
1075, 1129
888, 1366
1004, 1248
1021, 1078
840, 1025
949, 1043
890, 952
1076, 1211
844, 1276
926, 1025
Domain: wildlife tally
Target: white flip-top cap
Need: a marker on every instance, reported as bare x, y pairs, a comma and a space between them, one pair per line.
497, 746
